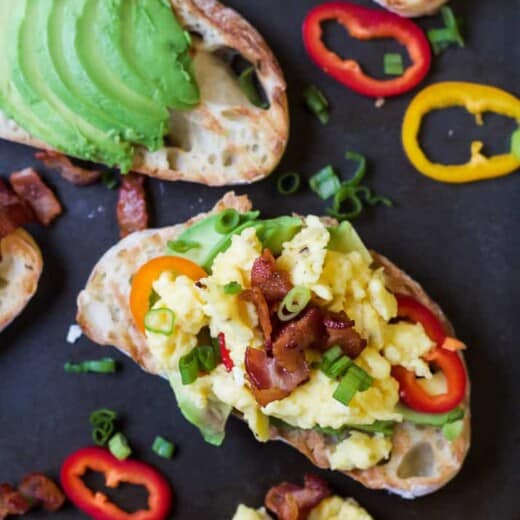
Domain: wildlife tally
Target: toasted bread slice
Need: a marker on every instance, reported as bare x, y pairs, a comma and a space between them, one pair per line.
225, 139
21, 265
412, 8
422, 460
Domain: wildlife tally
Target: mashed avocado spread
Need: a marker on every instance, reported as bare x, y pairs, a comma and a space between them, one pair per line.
94, 78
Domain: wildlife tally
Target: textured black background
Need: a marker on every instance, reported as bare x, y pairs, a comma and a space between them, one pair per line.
461, 242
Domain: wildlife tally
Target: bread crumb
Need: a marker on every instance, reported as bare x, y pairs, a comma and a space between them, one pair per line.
74, 334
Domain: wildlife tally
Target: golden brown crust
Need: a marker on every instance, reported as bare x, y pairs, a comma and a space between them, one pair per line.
415, 449
21, 265
225, 139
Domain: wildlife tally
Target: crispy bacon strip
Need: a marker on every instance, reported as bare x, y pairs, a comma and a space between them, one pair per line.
256, 296
29, 186
12, 502
69, 171
42, 489
340, 331
291, 502
268, 380
13, 212
132, 214
273, 283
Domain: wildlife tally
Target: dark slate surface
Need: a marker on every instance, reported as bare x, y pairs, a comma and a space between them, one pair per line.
461, 242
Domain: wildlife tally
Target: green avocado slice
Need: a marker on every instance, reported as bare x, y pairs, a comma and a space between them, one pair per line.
151, 47
98, 82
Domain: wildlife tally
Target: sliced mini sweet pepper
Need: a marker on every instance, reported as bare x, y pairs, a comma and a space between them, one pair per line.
366, 24
411, 392
96, 504
477, 99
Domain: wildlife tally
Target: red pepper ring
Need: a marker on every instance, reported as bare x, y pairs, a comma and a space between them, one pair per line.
417, 398
366, 24
97, 505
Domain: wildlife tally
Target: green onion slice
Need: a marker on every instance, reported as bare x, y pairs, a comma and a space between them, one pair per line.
515, 143
118, 446
103, 422
361, 168
293, 303
317, 103
325, 182
247, 84
163, 448
339, 367
232, 288
346, 194
207, 360
101, 366
450, 33
393, 64
329, 357
227, 221
160, 321
288, 183
355, 380
189, 367
102, 415
181, 246
109, 180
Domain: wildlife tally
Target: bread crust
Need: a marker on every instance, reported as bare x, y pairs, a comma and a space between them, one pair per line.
412, 8
422, 449
225, 139
21, 266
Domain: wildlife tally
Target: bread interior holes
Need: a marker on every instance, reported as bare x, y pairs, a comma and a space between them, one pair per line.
418, 462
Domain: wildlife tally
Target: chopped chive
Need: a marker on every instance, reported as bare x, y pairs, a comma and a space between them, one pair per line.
160, 321
232, 288
288, 183
515, 143
325, 182
293, 303
109, 179
393, 64
118, 446
339, 367
360, 170
355, 380
247, 83
189, 368
181, 246
329, 357
101, 366
450, 33
206, 357
317, 103
227, 221
163, 448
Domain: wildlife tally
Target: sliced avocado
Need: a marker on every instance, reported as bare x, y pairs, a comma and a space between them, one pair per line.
161, 60
146, 118
344, 238
272, 233
211, 421
430, 419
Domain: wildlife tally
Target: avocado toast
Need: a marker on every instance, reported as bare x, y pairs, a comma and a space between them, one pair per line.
152, 93
375, 440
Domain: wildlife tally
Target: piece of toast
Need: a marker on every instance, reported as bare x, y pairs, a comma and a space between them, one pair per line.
422, 460
412, 8
225, 139
21, 265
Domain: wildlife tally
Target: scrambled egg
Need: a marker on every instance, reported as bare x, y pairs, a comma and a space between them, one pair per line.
331, 508
340, 282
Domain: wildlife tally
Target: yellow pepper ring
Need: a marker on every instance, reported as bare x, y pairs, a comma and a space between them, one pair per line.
477, 99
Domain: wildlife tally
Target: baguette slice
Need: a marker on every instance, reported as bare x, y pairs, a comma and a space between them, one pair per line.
21, 265
412, 8
422, 460
225, 139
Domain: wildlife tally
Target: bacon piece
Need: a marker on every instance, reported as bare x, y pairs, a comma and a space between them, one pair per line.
29, 186
13, 212
42, 489
256, 296
340, 330
273, 283
132, 214
69, 171
291, 502
303, 332
268, 380
12, 502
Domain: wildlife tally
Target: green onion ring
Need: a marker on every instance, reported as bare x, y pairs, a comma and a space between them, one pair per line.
288, 183
182, 246
227, 221
293, 303
361, 169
